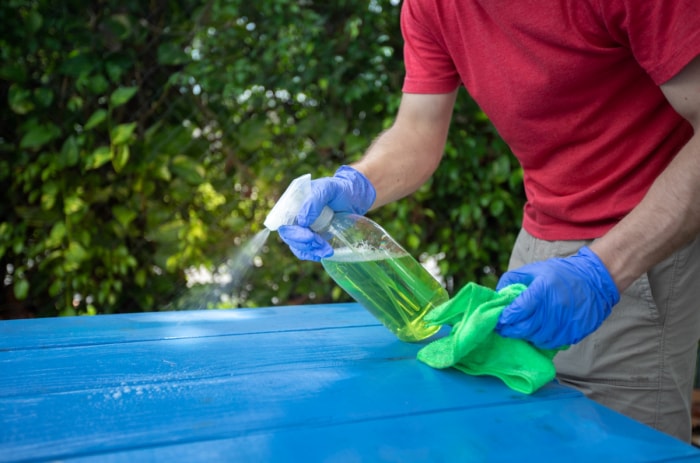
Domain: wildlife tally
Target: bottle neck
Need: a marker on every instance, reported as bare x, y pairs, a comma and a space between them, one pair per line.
324, 220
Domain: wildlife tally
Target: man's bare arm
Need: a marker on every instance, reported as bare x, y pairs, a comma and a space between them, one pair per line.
404, 156
669, 215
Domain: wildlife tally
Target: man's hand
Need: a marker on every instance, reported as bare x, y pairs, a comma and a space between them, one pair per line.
347, 191
566, 300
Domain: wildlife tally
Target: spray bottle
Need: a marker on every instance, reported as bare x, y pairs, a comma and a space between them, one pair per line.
369, 265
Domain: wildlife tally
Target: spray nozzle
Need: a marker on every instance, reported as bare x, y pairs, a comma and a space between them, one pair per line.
285, 211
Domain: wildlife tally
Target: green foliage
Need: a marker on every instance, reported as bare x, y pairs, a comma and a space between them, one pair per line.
85, 166
142, 141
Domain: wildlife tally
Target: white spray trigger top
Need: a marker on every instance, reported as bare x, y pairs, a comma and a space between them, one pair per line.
285, 211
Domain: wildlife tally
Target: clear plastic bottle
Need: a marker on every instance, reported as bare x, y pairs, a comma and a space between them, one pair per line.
369, 265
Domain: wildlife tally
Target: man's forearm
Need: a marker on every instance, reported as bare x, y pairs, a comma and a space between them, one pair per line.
403, 157
667, 218
395, 168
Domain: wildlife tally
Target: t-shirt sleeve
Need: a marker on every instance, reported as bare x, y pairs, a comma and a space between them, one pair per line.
429, 67
663, 35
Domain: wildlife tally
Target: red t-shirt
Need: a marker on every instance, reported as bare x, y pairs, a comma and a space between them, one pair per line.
571, 86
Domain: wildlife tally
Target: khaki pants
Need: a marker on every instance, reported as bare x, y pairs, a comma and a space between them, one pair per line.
641, 361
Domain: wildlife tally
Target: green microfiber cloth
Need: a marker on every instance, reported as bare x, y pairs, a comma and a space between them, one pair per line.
476, 349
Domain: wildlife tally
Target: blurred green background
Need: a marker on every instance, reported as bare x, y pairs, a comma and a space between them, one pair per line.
143, 143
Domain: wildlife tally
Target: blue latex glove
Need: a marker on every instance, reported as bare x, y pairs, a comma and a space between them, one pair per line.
347, 191
566, 300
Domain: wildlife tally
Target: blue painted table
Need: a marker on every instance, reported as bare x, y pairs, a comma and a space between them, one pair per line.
309, 383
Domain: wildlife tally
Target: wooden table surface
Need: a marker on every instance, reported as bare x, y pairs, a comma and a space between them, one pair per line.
307, 383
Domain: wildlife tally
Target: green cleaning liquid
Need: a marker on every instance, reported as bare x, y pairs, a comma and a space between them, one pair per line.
397, 290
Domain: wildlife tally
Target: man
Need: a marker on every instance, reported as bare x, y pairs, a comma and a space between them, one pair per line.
600, 102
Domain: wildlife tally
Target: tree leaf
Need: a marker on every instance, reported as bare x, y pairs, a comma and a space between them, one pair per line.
96, 83
122, 95
78, 65
43, 96
332, 132
96, 119
73, 204
252, 133
5, 231
20, 100
496, 207
140, 277
121, 133
70, 152
75, 103
49, 192
21, 289
162, 172
13, 72
98, 157
167, 232
56, 287
58, 232
124, 215
119, 25
34, 20
413, 241
187, 169
74, 255
171, 54
120, 157
39, 135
